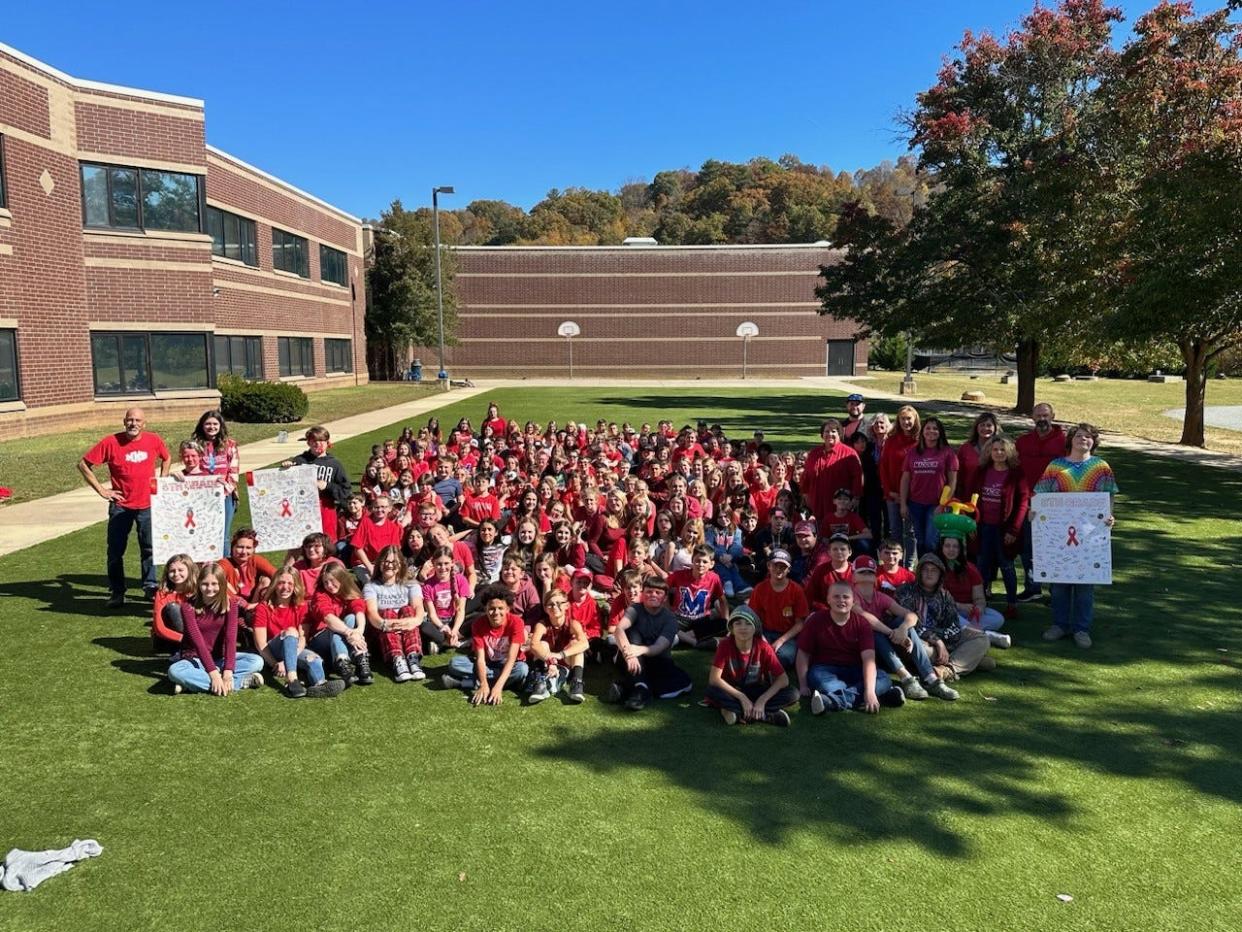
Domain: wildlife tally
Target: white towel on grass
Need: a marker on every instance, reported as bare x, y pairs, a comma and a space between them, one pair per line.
24, 870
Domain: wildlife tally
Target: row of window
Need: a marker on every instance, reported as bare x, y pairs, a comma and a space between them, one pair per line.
135, 363
118, 197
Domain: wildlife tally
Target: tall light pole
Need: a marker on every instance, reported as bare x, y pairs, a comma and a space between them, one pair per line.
435, 221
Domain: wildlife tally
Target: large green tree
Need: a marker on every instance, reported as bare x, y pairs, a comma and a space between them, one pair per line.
1170, 230
401, 294
994, 255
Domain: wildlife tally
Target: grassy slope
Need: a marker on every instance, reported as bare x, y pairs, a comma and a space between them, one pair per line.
1109, 775
38, 466
1127, 406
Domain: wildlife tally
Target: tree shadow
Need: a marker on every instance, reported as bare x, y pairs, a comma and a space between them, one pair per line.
74, 594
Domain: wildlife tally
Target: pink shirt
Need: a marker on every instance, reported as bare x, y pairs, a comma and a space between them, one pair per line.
928, 471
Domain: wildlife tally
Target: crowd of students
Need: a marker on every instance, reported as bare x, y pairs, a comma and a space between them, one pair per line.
530, 551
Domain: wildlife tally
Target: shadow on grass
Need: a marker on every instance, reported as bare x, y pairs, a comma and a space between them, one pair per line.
913, 774
75, 594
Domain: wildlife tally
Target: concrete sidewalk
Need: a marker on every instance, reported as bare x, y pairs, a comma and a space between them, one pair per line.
30, 523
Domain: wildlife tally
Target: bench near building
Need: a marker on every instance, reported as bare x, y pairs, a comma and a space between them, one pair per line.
646, 309
137, 262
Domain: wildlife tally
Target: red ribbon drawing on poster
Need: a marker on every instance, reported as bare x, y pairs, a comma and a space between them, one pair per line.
1072, 540
286, 511
189, 518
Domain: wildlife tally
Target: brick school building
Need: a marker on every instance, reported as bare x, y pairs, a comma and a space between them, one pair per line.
137, 262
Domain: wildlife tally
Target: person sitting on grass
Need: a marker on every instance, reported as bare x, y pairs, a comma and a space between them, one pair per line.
177, 589
496, 645
336, 623
836, 659
747, 681
278, 635
375, 532
726, 542
248, 573
584, 609
809, 552
645, 637
629, 592
310, 559
445, 598
955, 649
210, 661
395, 609
698, 600
781, 607
899, 644
558, 650
965, 584
837, 569
891, 573
489, 551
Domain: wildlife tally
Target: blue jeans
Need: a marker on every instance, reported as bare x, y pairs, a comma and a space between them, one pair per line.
787, 653
329, 645
887, 657
120, 522
902, 531
1073, 606
192, 676
925, 534
462, 667
992, 555
230, 508
842, 687
989, 620
729, 574
285, 649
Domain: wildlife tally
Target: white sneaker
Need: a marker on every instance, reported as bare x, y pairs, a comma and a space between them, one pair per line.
253, 681
450, 682
817, 703
729, 716
1003, 641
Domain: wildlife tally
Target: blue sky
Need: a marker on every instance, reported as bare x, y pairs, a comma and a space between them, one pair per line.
363, 103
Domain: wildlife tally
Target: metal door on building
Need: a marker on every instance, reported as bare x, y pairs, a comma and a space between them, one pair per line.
840, 357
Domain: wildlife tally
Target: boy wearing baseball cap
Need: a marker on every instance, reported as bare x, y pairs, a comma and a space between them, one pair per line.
747, 682
781, 607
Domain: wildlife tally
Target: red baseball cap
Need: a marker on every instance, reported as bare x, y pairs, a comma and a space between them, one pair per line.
864, 564
582, 573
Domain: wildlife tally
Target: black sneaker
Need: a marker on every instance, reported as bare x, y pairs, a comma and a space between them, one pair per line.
707, 644
116, 600
345, 670
362, 663
614, 694
779, 718
1030, 595
894, 698
638, 699
294, 689
326, 690
575, 688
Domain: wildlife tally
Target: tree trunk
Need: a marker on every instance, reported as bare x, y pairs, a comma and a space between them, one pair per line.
1194, 352
1028, 366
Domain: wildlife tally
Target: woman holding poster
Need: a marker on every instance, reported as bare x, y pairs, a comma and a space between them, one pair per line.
1080, 470
220, 458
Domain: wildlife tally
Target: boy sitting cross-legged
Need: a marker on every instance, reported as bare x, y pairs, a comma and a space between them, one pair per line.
645, 636
496, 641
747, 681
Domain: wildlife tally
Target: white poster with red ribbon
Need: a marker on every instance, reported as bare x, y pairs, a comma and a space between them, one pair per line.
1071, 542
284, 506
187, 516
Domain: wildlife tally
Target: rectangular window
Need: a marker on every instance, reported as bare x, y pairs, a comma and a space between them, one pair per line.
297, 356
289, 253
232, 236
333, 265
4, 194
241, 356
140, 199
338, 355
10, 388
141, 363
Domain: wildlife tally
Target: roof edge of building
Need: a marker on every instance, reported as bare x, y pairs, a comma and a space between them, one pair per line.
85, 85
646, 248
214, 150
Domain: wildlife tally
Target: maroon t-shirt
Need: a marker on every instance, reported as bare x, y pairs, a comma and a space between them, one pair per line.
929, 473
759, 666
825, 641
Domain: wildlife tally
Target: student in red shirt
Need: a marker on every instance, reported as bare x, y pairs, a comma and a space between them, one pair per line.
496, 646
132, 457
781, 607
310, 559
248, 573
892, 574
697, 598
375, 532
583, 607
479, 504
837, 569
177, 588
280, 640
836, 659
930, 466
747, 681
558, 651
845, 520
1036, 449
962, 581
336, 624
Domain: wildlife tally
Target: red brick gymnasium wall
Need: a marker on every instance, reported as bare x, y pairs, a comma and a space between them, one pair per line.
659, 310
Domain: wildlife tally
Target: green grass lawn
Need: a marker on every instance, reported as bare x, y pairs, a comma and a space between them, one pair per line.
1124, 405
1110, 775
35, 467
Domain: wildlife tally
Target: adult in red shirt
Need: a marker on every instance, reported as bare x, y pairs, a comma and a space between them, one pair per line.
1036, 449
131, 457
836, 659
905, 434
834, 465
1004, 499
970, 453
930, 466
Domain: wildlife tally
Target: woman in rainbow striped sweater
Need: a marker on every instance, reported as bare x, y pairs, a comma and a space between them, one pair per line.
1080, 470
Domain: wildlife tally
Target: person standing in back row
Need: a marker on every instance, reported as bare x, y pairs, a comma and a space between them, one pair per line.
131, 457
1036, 449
